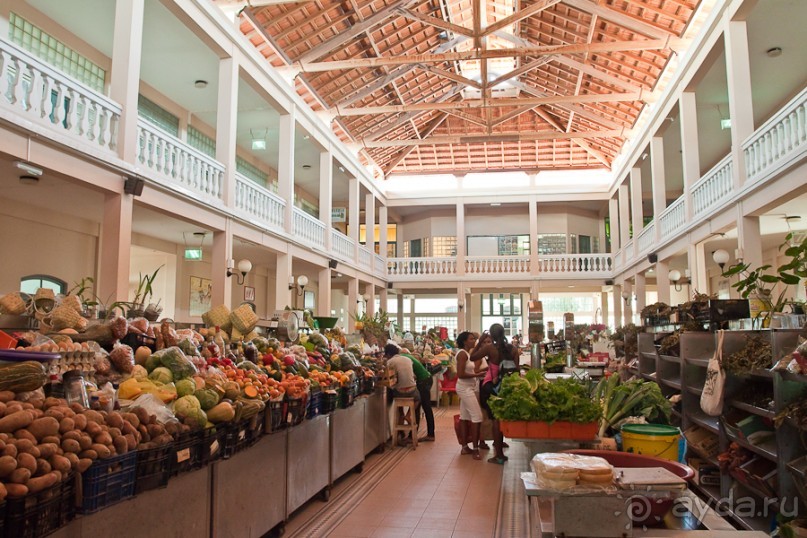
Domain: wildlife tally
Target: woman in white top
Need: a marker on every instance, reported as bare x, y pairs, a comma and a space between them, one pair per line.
467, 389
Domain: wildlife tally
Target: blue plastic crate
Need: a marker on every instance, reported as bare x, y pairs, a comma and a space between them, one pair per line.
40, 514
108, 481
314, 406
154, 467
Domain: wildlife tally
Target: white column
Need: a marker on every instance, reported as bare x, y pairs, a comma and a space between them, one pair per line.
324, 292
618, 302
400, 310
659, 182
627, 306
534, 263
461, 243
222, 253
624, 217
663, 281
604, 308
115, 248
369, 292
641, 293
227, 125
353, 210
124, 83
741, 105
282, 291
461, 300
697, 269
352, 303
369, 222
383, 298
613, 216
285, 167
689, 148
636, 199
326, 195
383, 230
749, 239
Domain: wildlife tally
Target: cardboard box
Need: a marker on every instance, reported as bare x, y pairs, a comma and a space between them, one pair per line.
706, 474
702, 441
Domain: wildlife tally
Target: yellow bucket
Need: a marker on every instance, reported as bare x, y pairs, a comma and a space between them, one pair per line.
651, 440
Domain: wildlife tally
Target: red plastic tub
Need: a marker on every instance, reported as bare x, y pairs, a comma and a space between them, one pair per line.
639, 508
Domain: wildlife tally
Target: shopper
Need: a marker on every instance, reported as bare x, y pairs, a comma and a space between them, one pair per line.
502, 361
467, 389
481, 367
423, 381
405, 385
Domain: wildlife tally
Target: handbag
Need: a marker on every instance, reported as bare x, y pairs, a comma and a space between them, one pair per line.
715, 384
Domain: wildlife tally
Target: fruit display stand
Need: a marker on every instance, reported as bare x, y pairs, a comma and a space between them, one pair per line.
347, 425
264, 468
376, 423
309, 442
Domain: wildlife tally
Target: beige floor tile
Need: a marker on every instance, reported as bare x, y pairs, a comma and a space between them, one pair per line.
393, 532
351, 531
475, 523
432, 533
398, 520
437, 523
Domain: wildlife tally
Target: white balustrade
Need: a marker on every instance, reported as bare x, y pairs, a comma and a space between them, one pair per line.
578, 265
342, 245
308, 228
48, 97
497, 265
379, 266
365, 256
779, 141
174, 161
713, 188
647, 237
401, 267
672, 218
259, 203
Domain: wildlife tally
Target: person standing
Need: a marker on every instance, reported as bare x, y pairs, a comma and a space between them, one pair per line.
467, 389
423, 382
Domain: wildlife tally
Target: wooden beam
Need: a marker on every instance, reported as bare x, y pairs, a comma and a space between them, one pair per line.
493, 138
580, 111
468, 117
437, 23
536, 7
354, 31
410, 115
538, 50
623, 19
510, 115
582, 143
526, 68
484, 103
402, 155
596, 73
459, 79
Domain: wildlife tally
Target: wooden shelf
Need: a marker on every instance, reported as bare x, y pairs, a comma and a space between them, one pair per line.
752, 409
670, 358
705, 421
649, 377
766, 450
694, 390
710, 494
698, 362
673, 383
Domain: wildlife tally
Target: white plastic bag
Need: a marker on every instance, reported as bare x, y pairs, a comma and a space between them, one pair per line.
714, 387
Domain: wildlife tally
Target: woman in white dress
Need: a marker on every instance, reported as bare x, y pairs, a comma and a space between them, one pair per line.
467, 389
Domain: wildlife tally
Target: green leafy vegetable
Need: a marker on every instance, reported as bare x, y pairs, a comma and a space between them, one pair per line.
630, 399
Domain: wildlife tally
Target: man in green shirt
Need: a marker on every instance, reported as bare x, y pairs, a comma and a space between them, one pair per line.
424, 385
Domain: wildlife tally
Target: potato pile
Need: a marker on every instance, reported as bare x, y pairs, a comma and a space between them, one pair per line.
42, 441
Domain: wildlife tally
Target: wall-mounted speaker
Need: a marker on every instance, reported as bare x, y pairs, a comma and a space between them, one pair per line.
332, 264
133, 186
652, 257
389, 285
609, 282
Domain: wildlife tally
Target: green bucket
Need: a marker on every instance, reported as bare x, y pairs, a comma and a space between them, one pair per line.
651, 440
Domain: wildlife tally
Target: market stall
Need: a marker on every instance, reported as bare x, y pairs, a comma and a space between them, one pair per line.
347, 426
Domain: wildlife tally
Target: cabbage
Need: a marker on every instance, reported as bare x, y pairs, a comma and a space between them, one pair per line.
176, 361
186, 386
161, 374
208, 398
152, 362
190, 411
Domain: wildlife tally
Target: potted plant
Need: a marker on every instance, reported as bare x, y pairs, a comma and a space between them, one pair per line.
83, 289
143, 294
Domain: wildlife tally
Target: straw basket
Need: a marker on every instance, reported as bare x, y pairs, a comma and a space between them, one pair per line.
244, 319
218, 316
13, 304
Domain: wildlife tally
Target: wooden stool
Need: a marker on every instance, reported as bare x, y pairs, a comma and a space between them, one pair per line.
405, 420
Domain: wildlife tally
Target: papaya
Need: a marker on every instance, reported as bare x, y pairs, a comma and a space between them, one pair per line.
222, 412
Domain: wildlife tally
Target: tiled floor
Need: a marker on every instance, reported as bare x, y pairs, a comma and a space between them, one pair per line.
432, 492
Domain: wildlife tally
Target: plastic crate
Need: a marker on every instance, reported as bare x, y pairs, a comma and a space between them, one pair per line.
349, 394
187, 453
154, 467
108, 481
40, 514
314, 405
242, 434
330, 400
368, 385
295, 410
275, 416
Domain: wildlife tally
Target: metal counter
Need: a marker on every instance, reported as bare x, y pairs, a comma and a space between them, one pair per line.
309, 452
347, 435
376, 421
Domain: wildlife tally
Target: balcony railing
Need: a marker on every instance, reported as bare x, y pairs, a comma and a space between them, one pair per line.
309, 229
779, 141
379, 266
713, 188
397, 267
48, 97
673, 218
258, 204
497, 265
575, 265
365, 256
175, 162
647, 237
342, 245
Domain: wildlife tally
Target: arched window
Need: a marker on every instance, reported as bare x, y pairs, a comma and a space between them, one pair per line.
31, 283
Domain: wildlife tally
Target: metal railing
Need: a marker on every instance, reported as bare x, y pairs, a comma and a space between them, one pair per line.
307, 228
779, 141
713, 188
498, 265
46, 96
259, 203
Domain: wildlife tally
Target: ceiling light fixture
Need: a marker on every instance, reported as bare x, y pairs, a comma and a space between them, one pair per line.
259, 140
28, 168
774, 52
721, 258
200, 84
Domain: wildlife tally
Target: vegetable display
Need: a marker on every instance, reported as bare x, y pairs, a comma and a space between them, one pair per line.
630, 399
